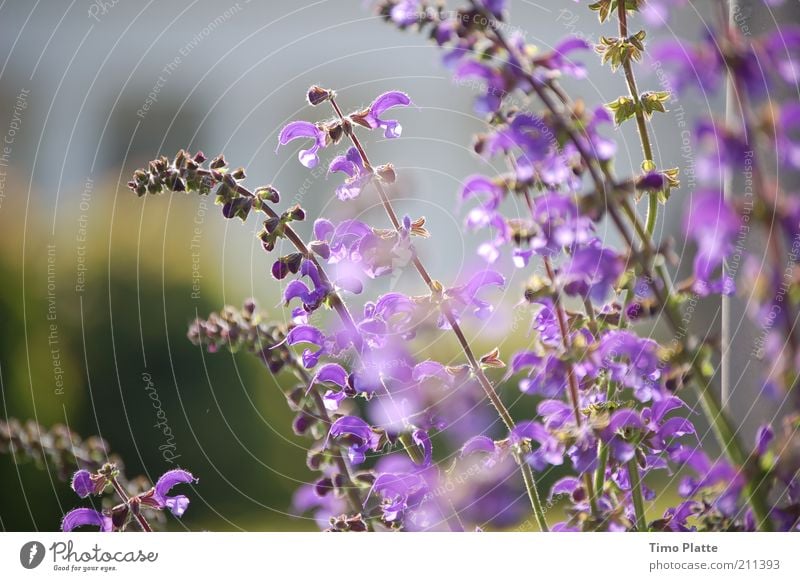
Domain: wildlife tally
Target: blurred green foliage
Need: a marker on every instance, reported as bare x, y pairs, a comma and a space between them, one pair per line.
128, 371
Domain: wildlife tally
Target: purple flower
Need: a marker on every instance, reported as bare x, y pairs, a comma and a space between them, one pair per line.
479, 186
495, 7
558, 60
764, 437
529, 133
382, 103
80, 517
298, 289
633, 362
710, 475
721, 149
689, 64
496, 87
622, 420
157, 497
311, 335
560, 224
85, 483
405, 12
788, 131
550, 450
399, 492
547, 377
304, 129
713, 225
476, 444
351, 165
361, 436
466, 294
676, 517
306, 499
782, 47
335, 374
703, 65
545, 323
422, 440
592, 272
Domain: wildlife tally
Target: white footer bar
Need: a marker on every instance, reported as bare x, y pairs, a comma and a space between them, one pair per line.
390, 557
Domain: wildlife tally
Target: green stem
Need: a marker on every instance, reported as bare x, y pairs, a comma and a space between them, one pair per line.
636, 494
641, 123
602, 456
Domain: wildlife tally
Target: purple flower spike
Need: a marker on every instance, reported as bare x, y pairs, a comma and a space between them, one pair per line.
81, 517
177, 505
358, 432
299, 129
384, 102
83, 484
357, 176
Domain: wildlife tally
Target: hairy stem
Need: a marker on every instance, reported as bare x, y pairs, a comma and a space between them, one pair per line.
140, 518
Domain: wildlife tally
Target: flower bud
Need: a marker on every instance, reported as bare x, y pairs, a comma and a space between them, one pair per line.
387, 173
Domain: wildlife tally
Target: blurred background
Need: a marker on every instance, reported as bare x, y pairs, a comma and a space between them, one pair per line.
98, 287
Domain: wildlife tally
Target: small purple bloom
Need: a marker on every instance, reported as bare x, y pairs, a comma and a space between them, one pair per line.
592, 272
85, 483
496, 87
304, 129
560, 224
467, 294
633, 362
308, 334
422, 440
382, 103
559, 61
764, 437
306, 499
362, 437
399, 493
405, 12
80, 517
177, 504
351, 165
495, 7
478, 444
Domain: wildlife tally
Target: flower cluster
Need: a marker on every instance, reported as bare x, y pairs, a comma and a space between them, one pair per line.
119, 517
